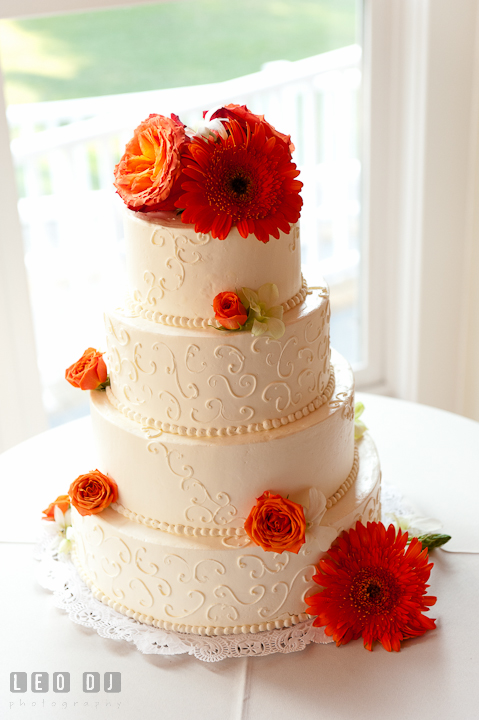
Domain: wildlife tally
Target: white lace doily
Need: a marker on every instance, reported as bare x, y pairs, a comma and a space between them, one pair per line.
57, 573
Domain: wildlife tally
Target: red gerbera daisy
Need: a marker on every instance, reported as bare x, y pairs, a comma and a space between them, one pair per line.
243, 116
374, 587
246, 180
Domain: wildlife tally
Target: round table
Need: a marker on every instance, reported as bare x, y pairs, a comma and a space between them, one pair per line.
431, 456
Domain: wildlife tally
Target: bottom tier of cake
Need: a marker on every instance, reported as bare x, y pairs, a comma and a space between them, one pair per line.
213, 585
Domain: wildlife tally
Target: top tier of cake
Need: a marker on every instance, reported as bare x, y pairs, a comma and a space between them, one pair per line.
174, 273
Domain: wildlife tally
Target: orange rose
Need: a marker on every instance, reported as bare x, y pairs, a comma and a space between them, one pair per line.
229, 311
276, 524
62, 502
93, 492
88, 372
148, 177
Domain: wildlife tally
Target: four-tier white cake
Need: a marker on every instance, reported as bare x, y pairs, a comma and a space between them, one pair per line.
199, 422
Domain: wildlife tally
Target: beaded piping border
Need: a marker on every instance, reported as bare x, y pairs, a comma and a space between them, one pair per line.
232, 429
344, 487
137, 310
179, 627
178, 529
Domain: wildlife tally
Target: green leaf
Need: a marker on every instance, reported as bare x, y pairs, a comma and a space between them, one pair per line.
249, 323
223, 329
104, 385
433, 540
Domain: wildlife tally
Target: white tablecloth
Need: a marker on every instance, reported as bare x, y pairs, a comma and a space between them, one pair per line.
430, 455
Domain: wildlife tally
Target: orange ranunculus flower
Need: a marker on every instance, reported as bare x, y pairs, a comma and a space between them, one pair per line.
148, 177
93, 492
89, 372
276, 524
241, 114
229, 310
62, 502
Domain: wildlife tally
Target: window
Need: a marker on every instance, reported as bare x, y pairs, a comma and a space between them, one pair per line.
365, 198
303, 74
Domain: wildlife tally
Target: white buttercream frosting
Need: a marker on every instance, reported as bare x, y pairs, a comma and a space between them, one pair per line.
197, 380
202, 584
174, 271
209, 482
135, 309
197, 423
228, 531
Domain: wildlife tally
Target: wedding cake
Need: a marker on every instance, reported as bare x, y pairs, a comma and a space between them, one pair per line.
226, 426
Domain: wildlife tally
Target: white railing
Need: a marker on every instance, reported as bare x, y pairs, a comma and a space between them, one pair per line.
313, 99
65, 152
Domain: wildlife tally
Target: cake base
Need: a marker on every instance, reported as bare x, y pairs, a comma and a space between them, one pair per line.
57, 574
213, 585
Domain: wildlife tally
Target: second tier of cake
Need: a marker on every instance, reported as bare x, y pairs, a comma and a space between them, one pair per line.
186, 484
209, 382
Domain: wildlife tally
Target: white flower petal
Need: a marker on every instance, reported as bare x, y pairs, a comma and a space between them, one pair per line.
65, 546
211, 112
276, 328
56, 541
190, 132
243, 298
276, 311
428, 524
400, 522
207, 127
358, 409
59, 516
251, 297
359, 429
268, 294
217, 126
317, 507
51, 527
415, 525
259, 328
324, 535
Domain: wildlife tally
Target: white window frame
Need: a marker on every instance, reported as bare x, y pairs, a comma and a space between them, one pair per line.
421, 114
421, 63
